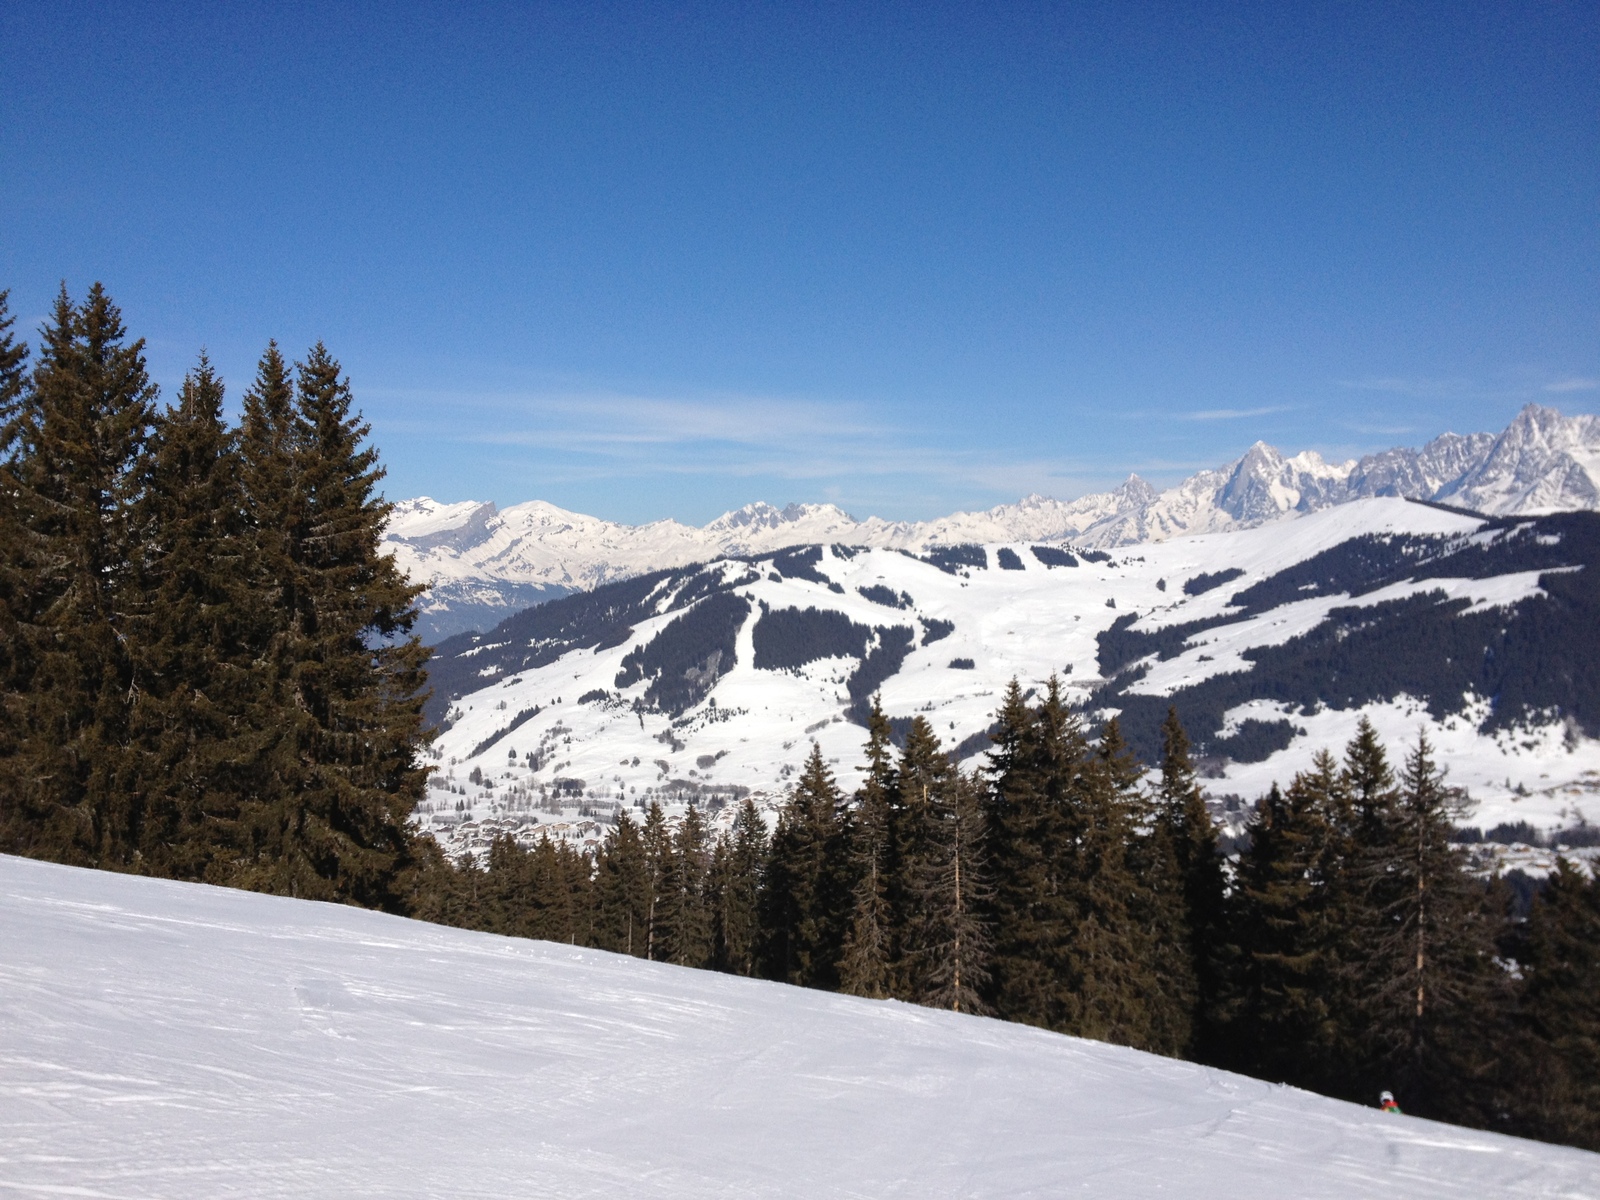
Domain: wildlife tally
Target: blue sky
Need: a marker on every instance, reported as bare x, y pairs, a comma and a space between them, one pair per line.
649, 261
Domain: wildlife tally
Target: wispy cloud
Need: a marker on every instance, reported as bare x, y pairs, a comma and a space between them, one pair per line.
1430, 389
1234, 414
1573, 385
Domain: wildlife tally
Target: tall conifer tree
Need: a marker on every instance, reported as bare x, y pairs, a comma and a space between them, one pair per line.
1192, 836
868, 951
79, 431
350, 675
737, 871
196, 748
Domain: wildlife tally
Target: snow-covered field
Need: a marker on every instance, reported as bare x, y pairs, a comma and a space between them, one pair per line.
171, 1040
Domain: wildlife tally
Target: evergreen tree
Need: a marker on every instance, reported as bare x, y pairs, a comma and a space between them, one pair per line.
921, 777
1279, 1023
1032, 912
950, 936
1187, 828
1116, 981
346, 676
77, 436
13, 583
1555, 1079
195, 749
623, 891
868, 952
656, 840
687, 919
737, 870
801, 905
1432, 988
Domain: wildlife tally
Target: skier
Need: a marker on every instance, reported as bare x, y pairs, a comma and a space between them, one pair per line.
1386, 1102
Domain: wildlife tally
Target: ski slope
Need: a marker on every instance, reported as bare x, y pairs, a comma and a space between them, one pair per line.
171, 1040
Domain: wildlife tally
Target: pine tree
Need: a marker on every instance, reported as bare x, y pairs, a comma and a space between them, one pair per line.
77, 434
737, 869
801, 906
623, 891
1188, 829
14, 672
1280, 1024
1031, 915
687, 921
1554, 1090
346, 676
1430, 986
195, 747
950, 937
868, 951
656, 841
1116, 982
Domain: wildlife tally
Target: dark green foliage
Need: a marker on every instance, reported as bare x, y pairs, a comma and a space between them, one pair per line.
952, 559
1053, 556
1555, 1072
195, 747
1256, 741
887, 597
75, 479
738, 866
881, 662
802, 902
1209, 581
205, 667
1006, 558
935, 630
343, 677
787, 638
869, 948
800, 563
687, 657
1182, 820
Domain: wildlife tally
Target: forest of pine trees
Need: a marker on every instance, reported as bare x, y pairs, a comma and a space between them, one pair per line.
204, 668
206, 674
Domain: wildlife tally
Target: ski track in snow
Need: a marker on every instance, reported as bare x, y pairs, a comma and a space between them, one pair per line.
174, 1040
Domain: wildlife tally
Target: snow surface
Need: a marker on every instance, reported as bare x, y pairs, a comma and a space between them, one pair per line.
174, 1040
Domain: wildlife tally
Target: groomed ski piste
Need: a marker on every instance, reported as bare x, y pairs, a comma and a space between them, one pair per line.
173, 1040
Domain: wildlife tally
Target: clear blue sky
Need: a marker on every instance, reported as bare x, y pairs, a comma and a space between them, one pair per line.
650, 261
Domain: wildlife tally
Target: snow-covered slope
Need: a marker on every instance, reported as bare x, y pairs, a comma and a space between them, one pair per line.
173, 1040
484, 563
711, 682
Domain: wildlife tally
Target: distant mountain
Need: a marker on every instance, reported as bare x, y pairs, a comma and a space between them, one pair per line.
710, 682
483, 563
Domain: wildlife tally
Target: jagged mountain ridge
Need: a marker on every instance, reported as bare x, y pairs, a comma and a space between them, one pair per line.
483, 563
709, 682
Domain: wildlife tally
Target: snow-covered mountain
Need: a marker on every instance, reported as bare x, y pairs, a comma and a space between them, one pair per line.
483, 563
174, 1040
710, 682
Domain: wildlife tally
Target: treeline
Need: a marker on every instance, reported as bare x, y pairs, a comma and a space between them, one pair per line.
1348, 950
204, 668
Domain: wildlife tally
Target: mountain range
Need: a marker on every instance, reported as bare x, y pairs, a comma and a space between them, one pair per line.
483, 563
707, 683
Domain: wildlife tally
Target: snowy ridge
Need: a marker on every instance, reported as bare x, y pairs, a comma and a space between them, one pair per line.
710, 683
174, 1040
483, 562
